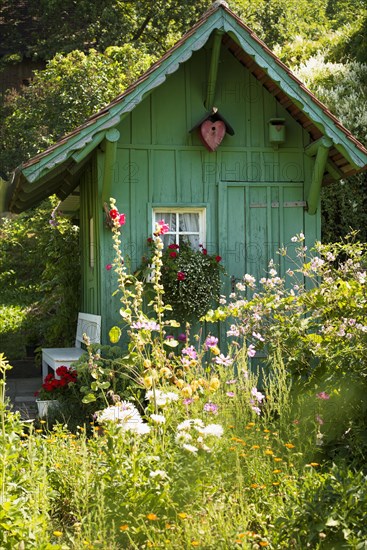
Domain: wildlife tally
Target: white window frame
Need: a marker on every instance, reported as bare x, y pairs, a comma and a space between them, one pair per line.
182, 210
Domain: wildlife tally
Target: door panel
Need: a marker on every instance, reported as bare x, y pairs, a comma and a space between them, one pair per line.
259, 220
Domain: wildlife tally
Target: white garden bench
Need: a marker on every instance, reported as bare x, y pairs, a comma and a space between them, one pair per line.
56, 357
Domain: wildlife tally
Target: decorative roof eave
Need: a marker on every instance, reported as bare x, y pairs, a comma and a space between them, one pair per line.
296, 90
112, 115
218, 17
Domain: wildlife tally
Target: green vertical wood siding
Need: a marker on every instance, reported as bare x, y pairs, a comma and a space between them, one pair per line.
159, 162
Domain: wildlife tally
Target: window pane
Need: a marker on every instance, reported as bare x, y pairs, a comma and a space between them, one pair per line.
193, 240
189, 222
168, 239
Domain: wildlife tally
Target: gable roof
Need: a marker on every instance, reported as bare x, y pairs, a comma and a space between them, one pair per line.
56, 169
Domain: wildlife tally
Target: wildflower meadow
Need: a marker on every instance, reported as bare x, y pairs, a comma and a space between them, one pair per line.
247, 432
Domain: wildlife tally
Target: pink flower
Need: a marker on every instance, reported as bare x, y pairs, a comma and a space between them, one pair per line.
181, 276
251, 351
323, 395
162, 228
122, 219
182, 337
109, 267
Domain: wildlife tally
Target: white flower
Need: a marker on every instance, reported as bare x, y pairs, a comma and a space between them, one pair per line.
215, 430
126, 415
185, 425
156, 473
190, 448
161, 397
182, 437
158, 418
140, 429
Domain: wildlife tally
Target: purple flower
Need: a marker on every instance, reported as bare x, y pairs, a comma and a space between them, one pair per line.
211, 407
256, 410
231, 382
323, 395
182, 337
190, 351
319, 420
251, 351
230, 394
211, 342
188, 401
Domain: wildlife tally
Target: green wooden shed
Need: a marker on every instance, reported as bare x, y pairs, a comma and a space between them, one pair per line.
218, 137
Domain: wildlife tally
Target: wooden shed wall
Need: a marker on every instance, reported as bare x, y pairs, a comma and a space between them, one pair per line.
160, 163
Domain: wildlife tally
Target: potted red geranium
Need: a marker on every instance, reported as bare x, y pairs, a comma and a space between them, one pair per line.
55, 388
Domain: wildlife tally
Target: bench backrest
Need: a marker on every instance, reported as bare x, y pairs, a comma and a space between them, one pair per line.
91, 326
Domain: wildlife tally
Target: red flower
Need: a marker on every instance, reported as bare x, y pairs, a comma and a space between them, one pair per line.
205, 252
149, 240
109, 267
181, 276
173, 254
174, 246
218, 258
113, 213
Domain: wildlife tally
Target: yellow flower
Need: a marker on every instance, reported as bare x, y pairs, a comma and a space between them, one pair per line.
277, 459
277, 471
147, 363
58, 533
169, 526
42, 421
215, 350
152, 517
255, 447
166, 372
124, 527
148, 381
267, 431
251, 424
195, 543
289, 445
263, 543
269, 452
182, 515
186, 391
254, 485
214, 384
314, 464
39, 431
276, 483
194, 385
180, 383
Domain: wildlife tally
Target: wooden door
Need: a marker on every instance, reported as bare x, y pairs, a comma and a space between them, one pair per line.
256, 220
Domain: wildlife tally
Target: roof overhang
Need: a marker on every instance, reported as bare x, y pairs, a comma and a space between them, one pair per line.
57, 169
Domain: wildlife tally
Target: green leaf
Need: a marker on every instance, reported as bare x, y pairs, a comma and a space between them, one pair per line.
114, 335
171, 343
89, 398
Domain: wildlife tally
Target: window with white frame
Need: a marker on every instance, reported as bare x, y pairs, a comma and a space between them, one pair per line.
185, 224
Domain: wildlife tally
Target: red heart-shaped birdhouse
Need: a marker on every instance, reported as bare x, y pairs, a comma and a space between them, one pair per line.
212, 133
